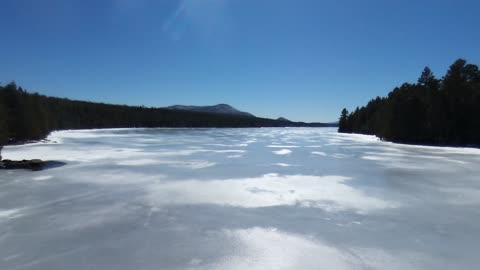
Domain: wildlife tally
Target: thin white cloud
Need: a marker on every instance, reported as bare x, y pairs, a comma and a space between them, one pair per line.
203, 18
170, 22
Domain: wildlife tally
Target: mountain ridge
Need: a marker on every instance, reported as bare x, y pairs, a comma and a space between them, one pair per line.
221, 108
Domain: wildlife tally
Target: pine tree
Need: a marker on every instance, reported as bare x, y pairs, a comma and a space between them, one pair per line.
428, 80
343, 121
426, 77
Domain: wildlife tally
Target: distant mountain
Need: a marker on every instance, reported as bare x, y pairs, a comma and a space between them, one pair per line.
219, 109
283, 119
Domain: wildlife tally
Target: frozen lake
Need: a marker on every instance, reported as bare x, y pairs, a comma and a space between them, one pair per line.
287, 198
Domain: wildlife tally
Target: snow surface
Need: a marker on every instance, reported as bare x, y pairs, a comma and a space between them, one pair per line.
239, 199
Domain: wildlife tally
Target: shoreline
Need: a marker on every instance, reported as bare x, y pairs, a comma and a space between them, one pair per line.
453, 146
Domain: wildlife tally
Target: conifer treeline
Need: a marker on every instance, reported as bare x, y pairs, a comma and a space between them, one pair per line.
30, 116
433, 111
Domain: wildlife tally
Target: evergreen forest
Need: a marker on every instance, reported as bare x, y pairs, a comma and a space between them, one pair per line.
431, 111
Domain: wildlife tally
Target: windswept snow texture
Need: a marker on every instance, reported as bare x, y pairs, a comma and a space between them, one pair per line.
287, 198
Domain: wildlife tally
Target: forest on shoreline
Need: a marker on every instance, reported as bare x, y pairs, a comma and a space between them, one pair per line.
432, 111
26, 116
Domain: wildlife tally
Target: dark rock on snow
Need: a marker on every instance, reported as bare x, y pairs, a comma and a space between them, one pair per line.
34, 164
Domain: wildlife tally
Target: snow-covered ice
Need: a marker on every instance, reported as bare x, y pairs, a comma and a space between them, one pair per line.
239, 199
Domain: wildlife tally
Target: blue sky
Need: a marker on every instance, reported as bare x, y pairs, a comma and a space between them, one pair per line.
300, 59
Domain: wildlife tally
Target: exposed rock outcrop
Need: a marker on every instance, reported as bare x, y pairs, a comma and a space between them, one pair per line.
34, 164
